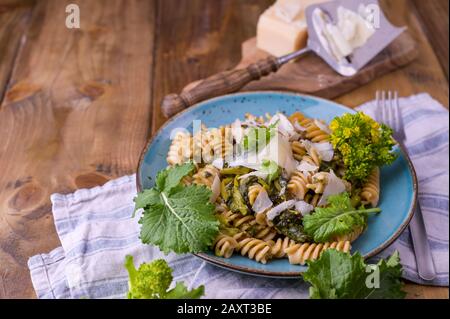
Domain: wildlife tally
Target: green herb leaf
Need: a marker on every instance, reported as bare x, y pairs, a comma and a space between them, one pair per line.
339, 218
270, 168
177, 218
338, 275
169, 178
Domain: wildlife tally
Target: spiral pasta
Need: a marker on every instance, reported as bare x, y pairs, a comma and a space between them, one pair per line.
253, 192
351, 237
265, 232
297, 185
261, 218
256, 119
298, 254
238, 220
370, 193
205, 176
224, 245
180, 149
278, 248
298, 150
253, 248
249, 225
312, 157
187, 180
315, 133
318, 182
300, 118
312, 130
312, 199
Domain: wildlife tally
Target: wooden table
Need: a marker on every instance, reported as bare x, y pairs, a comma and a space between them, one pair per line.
77, 105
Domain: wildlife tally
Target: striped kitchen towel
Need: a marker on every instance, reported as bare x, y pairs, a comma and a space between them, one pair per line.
96, 229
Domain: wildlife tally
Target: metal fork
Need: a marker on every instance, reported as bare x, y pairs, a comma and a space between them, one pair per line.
388, 112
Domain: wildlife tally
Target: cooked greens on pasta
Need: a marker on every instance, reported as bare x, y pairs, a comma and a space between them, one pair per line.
278, 187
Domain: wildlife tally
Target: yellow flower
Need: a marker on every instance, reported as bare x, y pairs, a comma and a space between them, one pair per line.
345, 149
334, 125
347, 132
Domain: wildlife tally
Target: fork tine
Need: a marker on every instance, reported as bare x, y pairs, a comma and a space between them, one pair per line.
398, 111
391, 117
377, 106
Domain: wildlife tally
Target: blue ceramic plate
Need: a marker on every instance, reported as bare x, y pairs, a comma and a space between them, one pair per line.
398, 181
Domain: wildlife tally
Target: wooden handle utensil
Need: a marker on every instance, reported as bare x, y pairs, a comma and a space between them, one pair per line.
218, 84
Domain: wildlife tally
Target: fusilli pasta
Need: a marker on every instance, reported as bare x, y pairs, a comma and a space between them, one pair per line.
298, 254
278, 248
224, 245
256, 249
370, 193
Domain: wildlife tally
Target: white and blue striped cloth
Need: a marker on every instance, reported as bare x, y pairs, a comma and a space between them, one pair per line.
96, 229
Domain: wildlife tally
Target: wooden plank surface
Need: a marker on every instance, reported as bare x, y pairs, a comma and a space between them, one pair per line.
75, 115
14, 16
198, 38
80, 103
434, 21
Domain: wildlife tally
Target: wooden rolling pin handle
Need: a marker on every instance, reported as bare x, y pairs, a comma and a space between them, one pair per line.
218, 84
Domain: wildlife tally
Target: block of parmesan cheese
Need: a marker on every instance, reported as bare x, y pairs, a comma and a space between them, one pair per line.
282, 27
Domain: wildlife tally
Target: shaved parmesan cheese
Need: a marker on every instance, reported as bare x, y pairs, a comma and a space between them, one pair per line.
322, 127
215, 188
299, 128
277, 150
334, 186
325, 150
284, 125
237, 131
303, 207
274, 212
306, 167
294, 137
218, 163
262, 202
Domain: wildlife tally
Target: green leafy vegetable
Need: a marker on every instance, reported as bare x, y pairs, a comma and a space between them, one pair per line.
338, 219
237, 201
226, 187
338, 275
152, 281
177, 218
363, 143
289, 224
239, 170
270, 168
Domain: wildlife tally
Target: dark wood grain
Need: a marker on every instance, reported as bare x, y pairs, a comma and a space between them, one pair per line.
75, 115
14, 16
434, 16
197, 39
